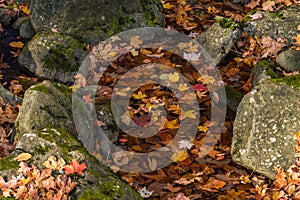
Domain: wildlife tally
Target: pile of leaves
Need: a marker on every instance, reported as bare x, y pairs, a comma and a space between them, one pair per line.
56, 181
8, 115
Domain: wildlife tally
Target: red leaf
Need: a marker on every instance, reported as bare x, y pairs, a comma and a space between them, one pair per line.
199, 87
75, 167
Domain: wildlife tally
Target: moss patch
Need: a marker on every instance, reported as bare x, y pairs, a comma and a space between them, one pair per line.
227, 23
108, 190
289, 80
267, 66
7, 163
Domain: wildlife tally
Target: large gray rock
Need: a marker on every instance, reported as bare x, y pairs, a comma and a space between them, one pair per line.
93, 20
289, 60
43, 130
219, 38
53, 56
281, 24
266, 122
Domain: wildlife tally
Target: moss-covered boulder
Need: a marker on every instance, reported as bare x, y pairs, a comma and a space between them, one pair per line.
281, 24
93, 21
44, 129
266, 122
263, 70
219, 38
53, 56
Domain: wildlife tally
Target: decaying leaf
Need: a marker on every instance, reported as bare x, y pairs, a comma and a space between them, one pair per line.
23, 157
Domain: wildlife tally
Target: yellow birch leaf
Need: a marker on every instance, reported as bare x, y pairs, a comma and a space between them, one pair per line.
172, 124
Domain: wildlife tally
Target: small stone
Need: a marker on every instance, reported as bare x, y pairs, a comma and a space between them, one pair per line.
26, 30
289, 60
5, 17
17, 24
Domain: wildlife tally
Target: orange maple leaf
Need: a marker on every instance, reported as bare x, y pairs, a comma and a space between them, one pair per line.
75, 167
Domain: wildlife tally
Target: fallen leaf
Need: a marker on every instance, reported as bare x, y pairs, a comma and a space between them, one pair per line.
179, 156
53, 163
185, 144
145, 193
298, 39
139, 95
190, 114
75, 167
23, 157
17, 44
174, 77
268, 5
135, 41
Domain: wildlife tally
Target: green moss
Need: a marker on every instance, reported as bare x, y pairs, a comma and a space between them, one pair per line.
41, 150
41, 88
62, 88
6, 198
267, 66
227, 23
59, 136
114, 27
276, 14
7, 163
289, 80
108, 190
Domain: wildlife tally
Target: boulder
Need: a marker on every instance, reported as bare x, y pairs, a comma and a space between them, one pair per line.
53, 56
281, 24
44, 129
5, 17
219, 38
289, 60
94, 21
266, 122
263, 70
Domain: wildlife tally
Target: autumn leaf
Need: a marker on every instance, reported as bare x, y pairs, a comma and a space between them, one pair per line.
75, 167
168, 6
189, 114
174, 77
139, 95
53, 163
185, 144
203, 128
25, 9
214, 183
23, 157
172, 124
183, 87
268, 5
87, 98
298, 39
135, 41
199, 87
18, 45
179, 156
253, 4
270, 47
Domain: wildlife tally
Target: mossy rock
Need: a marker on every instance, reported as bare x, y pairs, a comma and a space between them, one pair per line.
53, 56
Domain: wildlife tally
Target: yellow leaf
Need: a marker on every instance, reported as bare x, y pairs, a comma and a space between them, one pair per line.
112, 53
179, 156
174, 77
23, 157
135, 41
134, 52
183, 2
17, 44
74, 87
298, 39
25, 9
189, 114
168, 6
139, 95
203, 128
172, 124
183, 87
